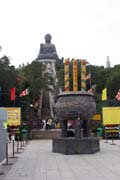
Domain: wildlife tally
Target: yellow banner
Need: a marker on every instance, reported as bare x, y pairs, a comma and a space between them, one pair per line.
66, 74
104, 94
83, 74
75, 76
13, 116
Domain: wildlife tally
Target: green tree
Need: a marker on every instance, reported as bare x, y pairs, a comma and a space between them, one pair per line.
8, 75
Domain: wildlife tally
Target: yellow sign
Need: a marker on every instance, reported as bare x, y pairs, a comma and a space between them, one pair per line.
111, 115
13, 116
97, 117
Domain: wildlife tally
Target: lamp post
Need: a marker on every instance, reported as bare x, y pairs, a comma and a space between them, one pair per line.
31, 117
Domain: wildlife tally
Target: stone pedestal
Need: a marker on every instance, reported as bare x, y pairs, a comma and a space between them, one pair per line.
71, 145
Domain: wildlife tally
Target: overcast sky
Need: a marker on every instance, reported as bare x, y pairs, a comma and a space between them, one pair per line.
88, 29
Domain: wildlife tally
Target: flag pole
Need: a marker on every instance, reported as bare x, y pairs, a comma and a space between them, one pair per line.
28, 106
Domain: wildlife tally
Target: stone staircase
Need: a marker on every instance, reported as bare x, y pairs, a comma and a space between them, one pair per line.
45, 134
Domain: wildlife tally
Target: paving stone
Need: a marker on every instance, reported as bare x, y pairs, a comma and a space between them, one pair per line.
38, 162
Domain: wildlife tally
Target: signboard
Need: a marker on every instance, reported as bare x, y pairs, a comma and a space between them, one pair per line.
111, 115
97, 117
13, 116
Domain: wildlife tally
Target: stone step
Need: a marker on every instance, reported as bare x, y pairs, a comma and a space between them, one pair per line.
45, 134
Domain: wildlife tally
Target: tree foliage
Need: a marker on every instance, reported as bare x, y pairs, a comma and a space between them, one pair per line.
103, 77
8, 75
32, 76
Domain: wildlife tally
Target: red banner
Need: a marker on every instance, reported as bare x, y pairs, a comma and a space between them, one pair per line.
12, 94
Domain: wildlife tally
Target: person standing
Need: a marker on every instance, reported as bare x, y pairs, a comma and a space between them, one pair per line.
12, 134
49, 123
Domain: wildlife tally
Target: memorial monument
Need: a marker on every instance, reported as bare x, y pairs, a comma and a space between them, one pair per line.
48, 56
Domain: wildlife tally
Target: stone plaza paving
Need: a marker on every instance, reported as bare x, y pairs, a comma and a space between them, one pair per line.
37, 162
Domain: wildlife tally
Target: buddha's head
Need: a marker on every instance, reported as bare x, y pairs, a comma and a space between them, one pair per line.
48, 38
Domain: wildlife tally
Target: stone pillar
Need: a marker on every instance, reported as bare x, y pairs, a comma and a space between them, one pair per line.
78, 128
64, 132
86, 128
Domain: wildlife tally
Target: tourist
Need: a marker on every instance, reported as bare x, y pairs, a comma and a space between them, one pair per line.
12, 134
44, 123
49, 122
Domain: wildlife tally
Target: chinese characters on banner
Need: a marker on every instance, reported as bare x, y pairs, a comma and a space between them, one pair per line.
13, 116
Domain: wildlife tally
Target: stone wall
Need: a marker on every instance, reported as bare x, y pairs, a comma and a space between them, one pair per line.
46, 134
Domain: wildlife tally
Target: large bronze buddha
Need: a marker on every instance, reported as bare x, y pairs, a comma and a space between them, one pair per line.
47, 50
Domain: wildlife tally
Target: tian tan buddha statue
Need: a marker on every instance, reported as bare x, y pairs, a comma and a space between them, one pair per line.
47, 50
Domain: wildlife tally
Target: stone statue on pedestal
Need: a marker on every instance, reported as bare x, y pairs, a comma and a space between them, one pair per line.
47, 50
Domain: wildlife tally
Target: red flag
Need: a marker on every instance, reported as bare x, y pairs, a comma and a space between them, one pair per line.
118, 95
12, 94
25, 92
